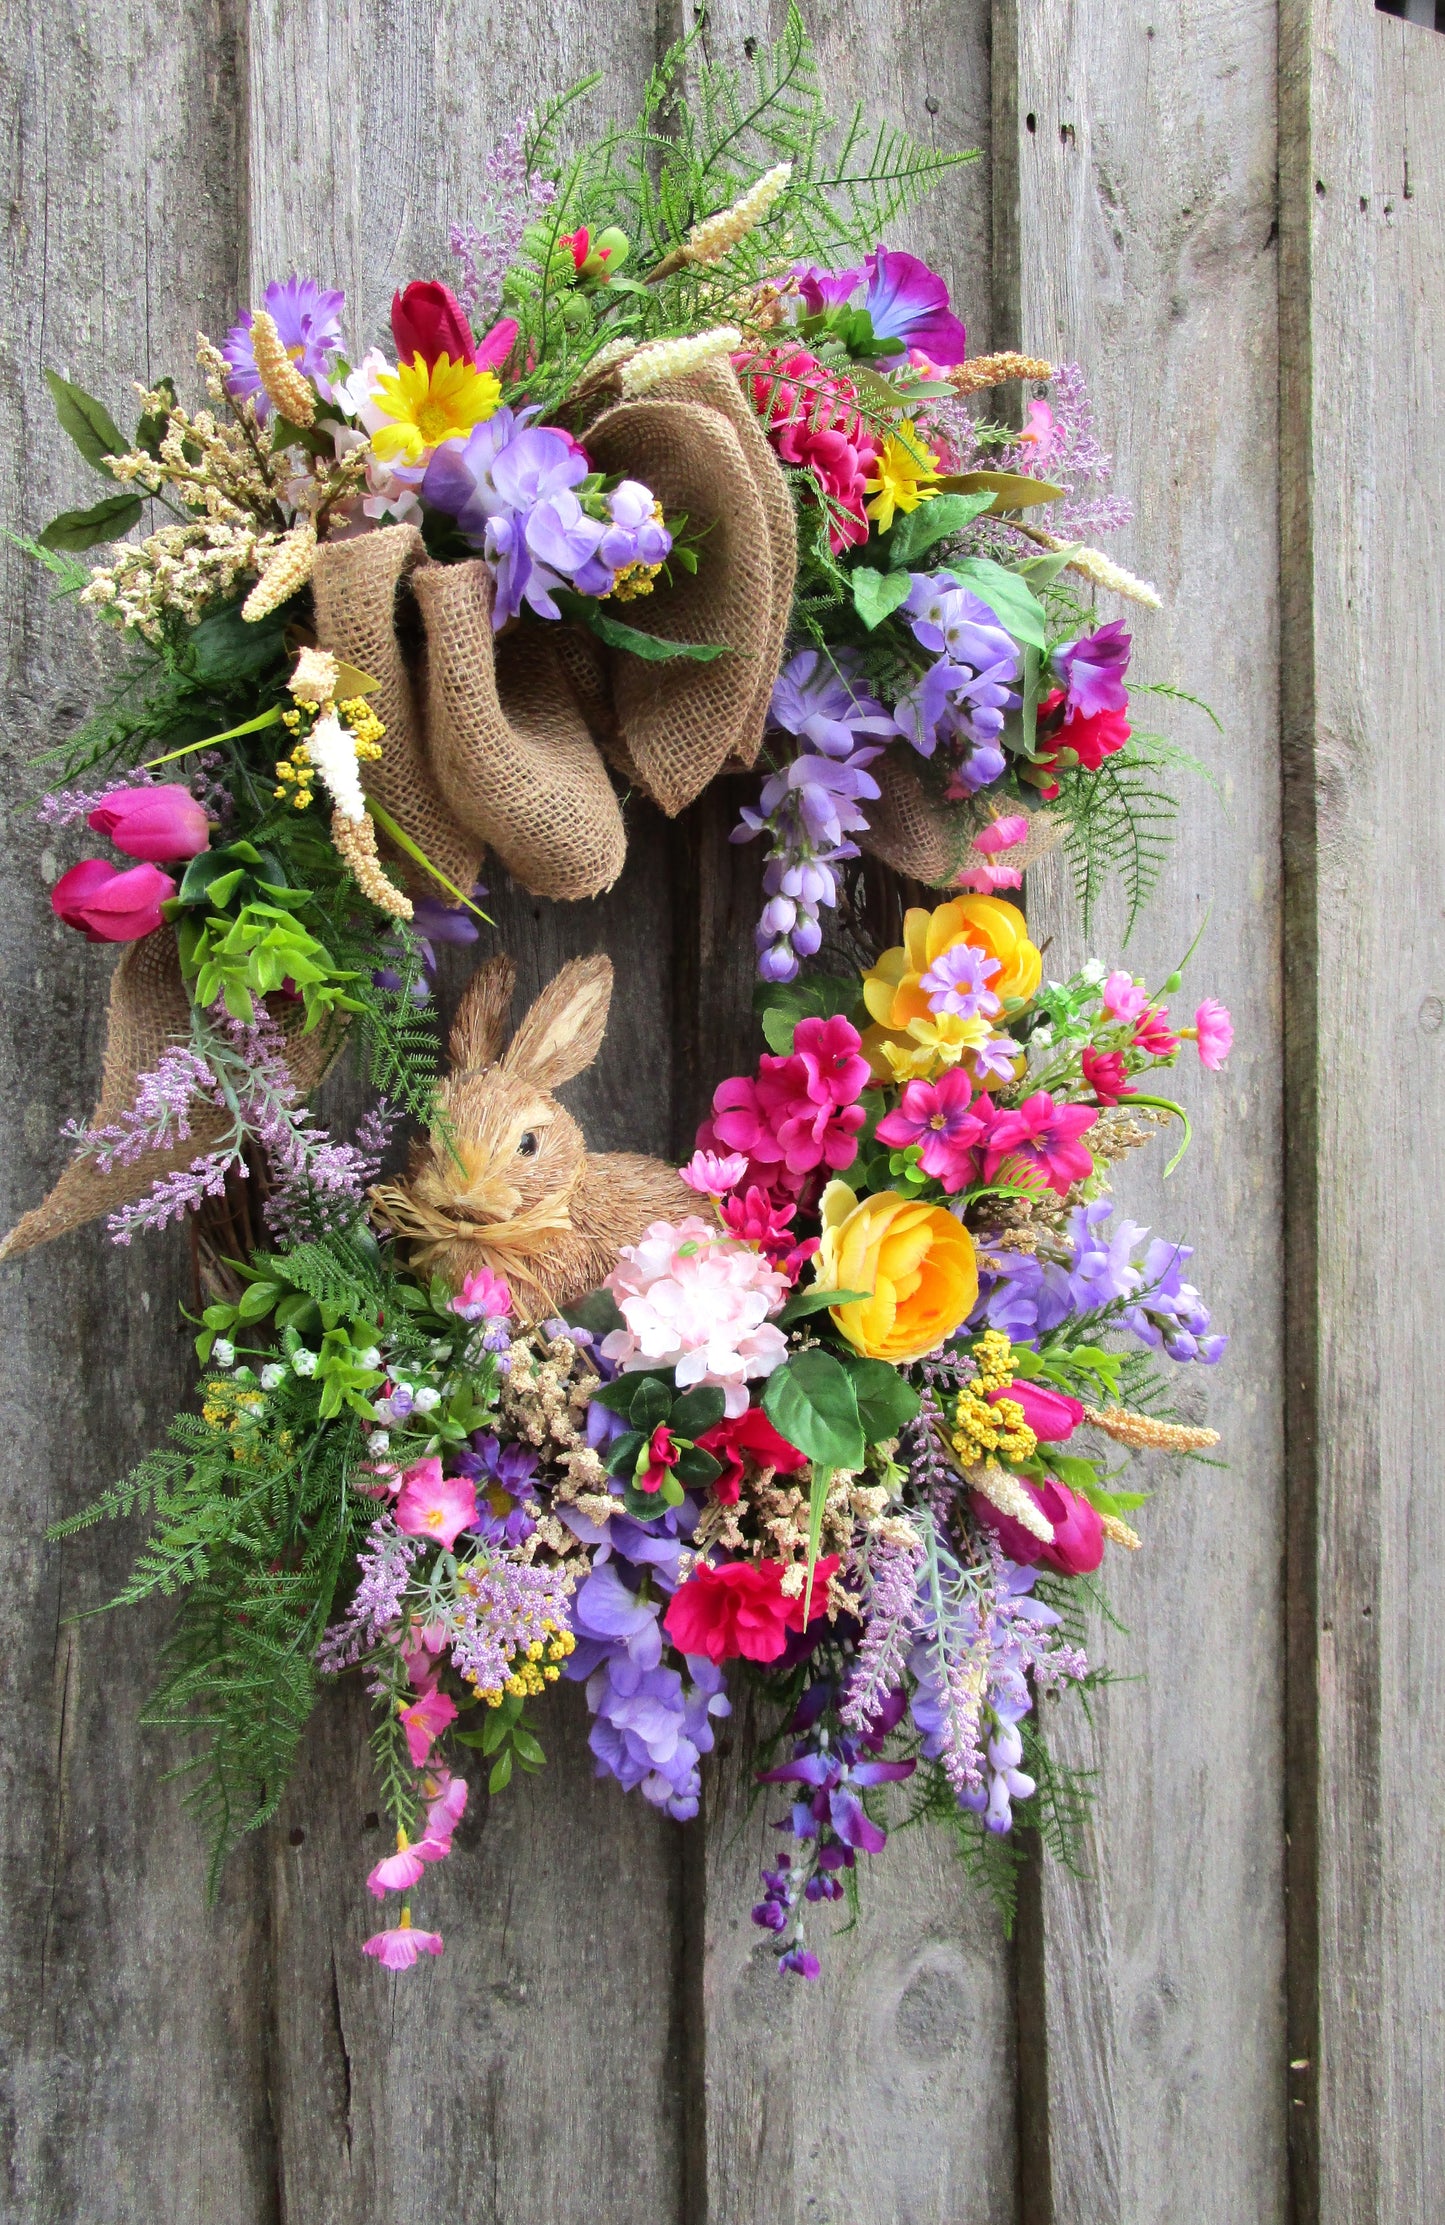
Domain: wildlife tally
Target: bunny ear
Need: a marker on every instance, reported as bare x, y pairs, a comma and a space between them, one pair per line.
481, 1021
563, 1031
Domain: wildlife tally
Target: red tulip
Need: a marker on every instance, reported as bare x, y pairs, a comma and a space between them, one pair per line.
158, 824
428, 321
111, 907
1078, 1541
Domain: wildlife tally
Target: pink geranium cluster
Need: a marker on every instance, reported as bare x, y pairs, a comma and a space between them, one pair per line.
811, 417
799, 1116
964, 1140
698, 1302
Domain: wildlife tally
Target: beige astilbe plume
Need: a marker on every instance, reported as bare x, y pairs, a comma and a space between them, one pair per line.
983, 371
288, 567
1142, 1433
284, 385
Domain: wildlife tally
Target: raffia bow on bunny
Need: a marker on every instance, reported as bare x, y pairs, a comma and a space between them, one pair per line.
505, 1179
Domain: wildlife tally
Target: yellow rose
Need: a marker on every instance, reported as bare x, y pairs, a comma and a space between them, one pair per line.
893, 991
917, 1262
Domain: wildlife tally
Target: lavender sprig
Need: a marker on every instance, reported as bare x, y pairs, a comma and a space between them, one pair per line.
487, 250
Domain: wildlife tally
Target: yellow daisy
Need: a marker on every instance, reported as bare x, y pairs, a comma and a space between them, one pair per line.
429, 403
903, 468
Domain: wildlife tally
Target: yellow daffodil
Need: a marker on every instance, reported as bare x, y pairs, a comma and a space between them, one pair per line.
426, 404
904, 468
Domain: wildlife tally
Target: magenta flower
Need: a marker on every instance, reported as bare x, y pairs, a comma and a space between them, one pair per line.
1052, 1415
160, 825
1106, 1075
825, 289
712, 1175
1213, 1033
435, 1506
936, 1116
957, 982
482, 1297
982, 875
1043, 1136
111, 907
398, 1872
1124, 998
1153, 1034
831, 1051
909, 302
1093, 670
424, 1721
398, 1948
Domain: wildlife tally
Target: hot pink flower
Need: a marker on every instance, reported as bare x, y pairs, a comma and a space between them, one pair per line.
1043, 1136
1124, 999
111, 907
1078, 1541
797, 1115
1213, 1033
756, 1219
398, 1949
811, 418
495, 346
1153, 1034
424, 1722
831, 1052
661, 1458
713, 1176
1091, 737
483, 1297
937, 1116
446, 1805
1052, 1415
160, 825
435, 1506
398, 1872
1106, 1075
981, 874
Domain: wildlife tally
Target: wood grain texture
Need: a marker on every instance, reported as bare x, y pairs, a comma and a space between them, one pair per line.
490, 2095
132, 2018
1144, 149
1363, 185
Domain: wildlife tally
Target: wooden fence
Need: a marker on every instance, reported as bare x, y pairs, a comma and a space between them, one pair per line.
1234, 215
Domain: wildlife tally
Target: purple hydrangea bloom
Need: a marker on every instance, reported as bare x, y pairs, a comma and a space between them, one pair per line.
962, 700
1093, 668
308, 320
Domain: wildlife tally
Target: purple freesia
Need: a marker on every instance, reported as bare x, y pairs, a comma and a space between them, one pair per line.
1093, 668
909, 302
308, 320
636, 534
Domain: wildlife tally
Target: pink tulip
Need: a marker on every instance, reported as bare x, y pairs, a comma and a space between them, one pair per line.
435, 1506
158, 824
1214, 1033
111, 907
1052, 1415
1078, 1540
398, 1949
424, 1721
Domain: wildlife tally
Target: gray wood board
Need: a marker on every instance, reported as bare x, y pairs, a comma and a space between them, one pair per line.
1144, 151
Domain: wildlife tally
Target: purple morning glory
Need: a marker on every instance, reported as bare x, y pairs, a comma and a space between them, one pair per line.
909, 302
1093, 669
308, 320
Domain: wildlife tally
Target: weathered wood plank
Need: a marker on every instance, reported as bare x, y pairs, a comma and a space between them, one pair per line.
886, 2091
1363, 185
1144, 150
545, 2062
133, 2017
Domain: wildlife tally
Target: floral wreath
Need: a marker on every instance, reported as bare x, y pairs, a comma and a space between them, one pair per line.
688, 466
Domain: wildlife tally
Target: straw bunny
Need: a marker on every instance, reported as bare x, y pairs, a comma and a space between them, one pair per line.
505, 1179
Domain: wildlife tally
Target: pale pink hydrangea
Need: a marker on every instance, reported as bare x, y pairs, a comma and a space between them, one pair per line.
697, 1301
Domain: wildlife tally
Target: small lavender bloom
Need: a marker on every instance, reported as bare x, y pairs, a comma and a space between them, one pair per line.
175, 1195
376, 1605
998, 1056
890, 1617
308, 320
636, 535
957, 982
489, 249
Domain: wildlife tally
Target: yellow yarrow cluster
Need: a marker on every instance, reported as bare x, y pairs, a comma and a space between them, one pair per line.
980, 1428
635, 579
229, 1407
993, 1357
534, 1668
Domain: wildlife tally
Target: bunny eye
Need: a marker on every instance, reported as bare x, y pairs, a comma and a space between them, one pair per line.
528, 1147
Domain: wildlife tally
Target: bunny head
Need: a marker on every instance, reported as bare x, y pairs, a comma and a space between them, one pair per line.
505, 1179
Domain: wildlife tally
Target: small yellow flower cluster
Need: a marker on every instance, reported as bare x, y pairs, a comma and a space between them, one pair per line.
536, 1668
296, 773
981, 1428
228, 1407
365, 728
993, 1357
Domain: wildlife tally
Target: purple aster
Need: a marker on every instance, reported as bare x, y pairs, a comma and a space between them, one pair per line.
308, 320
1093, 670
505, 1476
909, 302
958, 982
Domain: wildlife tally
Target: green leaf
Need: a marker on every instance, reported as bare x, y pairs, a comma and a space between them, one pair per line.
696, 1467
105, 520
886, 1399
88, 422
1011, 599
652, 1403
876, 594
697, 1411
622, 1454
501, 1775
814, 1300
921, 529
781, 1005
652, 648
810, 1401
527, 1748
257, 1300
1007, 490
817, 1502
224, 649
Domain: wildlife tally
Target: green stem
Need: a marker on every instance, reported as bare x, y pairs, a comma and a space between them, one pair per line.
232, 733
404, 842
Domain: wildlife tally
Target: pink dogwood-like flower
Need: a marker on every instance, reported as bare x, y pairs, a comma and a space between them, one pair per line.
398, 1872
1043, 1137
435, 1506
937, 1116
398, 1948
424, 1721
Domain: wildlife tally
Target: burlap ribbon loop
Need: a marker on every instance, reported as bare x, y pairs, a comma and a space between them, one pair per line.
699, 447
149, 1011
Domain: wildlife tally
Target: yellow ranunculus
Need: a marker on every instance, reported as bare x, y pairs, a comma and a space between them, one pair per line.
893, 991
428, 403
917, 1262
